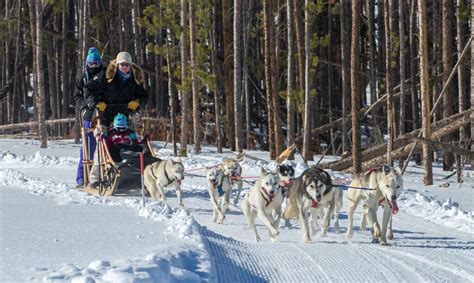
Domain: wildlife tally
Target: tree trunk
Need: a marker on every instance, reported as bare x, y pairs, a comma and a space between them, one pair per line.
267, 18
228, 79
330, 79
373, 64
184, 80
194, 79
297, 15
345, 71
308, 101
447, 38
460, 27
389, 58
40, 108
472, 84
246, 86
217, 68
239, 119
53, 92
355, 95
16, 70
413, 57
290, 105
274, 79
425, 100
401, 34
171, 92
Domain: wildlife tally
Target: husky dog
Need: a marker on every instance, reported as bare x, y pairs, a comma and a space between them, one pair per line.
264, 200
163, 173
331, 200
219, 186
385, 186
306, 193
231, 168
286, 172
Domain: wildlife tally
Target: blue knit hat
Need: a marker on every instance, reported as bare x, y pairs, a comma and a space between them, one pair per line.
93, 56
120, 121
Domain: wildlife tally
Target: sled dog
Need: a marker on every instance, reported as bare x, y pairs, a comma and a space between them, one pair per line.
161, 174
306, 193
286, 172
219, 187
385, 186
264, 200
329, 207
231, 168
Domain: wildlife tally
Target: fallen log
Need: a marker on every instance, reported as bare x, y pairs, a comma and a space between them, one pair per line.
440, 128
405, 151
35, 124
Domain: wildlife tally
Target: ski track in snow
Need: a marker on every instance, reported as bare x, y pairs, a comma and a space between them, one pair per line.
235, 258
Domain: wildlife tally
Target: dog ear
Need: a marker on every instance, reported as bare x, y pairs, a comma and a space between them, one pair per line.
398, 171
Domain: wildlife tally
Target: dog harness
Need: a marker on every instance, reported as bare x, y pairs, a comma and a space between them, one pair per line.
219, 189
166, 175
266, 196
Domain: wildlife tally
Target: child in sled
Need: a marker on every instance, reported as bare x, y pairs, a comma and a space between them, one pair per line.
120, 136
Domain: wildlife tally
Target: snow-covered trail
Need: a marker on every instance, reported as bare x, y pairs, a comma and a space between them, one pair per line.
422, 251
429, 243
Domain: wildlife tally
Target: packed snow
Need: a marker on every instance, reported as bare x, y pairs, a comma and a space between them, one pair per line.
52, 232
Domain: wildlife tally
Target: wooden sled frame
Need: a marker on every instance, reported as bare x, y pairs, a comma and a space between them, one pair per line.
109, 175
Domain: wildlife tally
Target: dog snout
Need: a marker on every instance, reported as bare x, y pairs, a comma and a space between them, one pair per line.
394, 198
318, 197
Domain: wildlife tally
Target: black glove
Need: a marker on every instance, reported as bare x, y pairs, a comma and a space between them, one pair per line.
90, 102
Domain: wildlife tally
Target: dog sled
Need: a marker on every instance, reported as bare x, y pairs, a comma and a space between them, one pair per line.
119, 171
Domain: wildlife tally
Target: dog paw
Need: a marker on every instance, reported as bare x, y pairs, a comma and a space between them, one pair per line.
258, 240
390, 235
275, 232
221, 219
274, 240
324, 234
349, 234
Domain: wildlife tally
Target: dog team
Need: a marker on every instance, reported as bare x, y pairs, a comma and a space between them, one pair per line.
306, 198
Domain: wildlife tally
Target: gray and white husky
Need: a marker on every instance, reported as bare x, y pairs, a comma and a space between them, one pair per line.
161, 174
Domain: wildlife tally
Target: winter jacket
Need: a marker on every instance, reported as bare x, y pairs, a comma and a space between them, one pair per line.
79, 95
117, 140
107, 87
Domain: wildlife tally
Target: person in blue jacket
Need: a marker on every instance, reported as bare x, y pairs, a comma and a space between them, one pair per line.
93, 66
